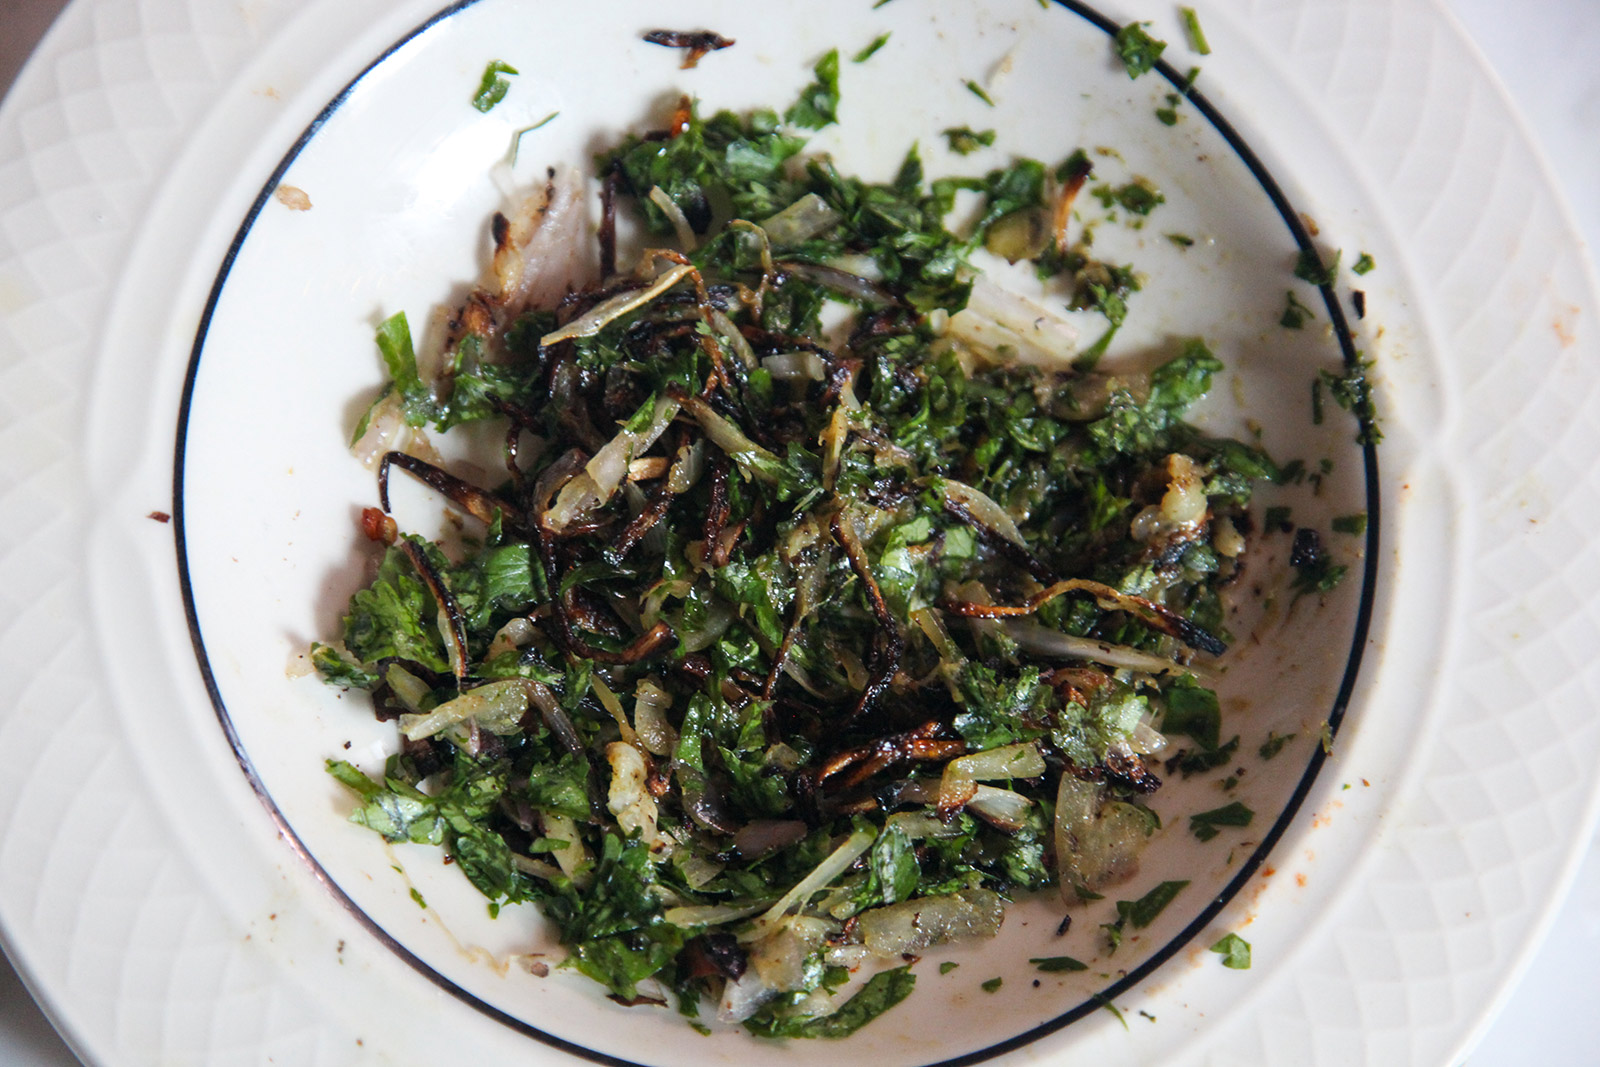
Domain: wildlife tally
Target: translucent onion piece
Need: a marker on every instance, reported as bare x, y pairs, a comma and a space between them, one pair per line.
650, 704
916, 925
932, 627
838, 861
961, 775
743, 998
569, 853
801, 221
1003, 808
546, 251
984, 509
796, 366
608, 468
538, 868
1010, 328
692, 915
614, 706
496, 707
1225, 537
627, 798
515, 634
726, 330
1096, 844
408, 688
750, 456
1044, 641
680, 222
595, 319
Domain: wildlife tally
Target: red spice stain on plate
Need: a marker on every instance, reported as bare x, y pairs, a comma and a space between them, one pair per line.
1566, 326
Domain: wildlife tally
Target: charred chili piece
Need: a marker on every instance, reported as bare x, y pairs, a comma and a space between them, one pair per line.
696, 43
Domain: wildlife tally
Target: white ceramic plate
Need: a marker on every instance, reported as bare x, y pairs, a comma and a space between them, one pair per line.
165, 912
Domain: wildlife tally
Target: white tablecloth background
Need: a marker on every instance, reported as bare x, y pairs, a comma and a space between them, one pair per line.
1544, 51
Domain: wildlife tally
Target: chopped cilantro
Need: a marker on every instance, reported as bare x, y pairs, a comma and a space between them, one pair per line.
868, 52
1295, 314
1142, 912
1363, 264
1274, 744
1137, 49
1191, 26
883, 991
1352, 391
992, 985
977, 90
1351, 524
493, 86
1309, 267
1051, 964
1204, 825
818, 105
1235, 952
964, 140
947, 966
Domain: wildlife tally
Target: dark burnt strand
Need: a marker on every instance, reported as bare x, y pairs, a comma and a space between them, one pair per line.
455, 621
887, 646
695, 43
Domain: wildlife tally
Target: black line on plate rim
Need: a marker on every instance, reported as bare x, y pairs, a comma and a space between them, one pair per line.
1097, 1001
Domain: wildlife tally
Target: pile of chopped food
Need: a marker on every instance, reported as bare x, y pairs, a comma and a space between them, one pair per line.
829, 597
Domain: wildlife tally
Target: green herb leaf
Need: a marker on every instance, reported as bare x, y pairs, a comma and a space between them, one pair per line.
1191, 26
964, 140
867, 52
1351, 524
1235, 952
1295, 314
1309, 267
1363, 264
1274, 744
883, 991
1137, 49
1142, 912
1051, 964
818, 105
493, 86
1204, 825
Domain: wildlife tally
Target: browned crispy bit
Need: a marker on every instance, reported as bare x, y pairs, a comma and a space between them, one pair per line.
695, 43
1127, 769
1070, 187
922, 744
1076, 685
887, 643
1147, 611
378, 527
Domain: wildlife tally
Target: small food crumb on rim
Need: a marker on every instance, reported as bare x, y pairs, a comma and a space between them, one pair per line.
292, 197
